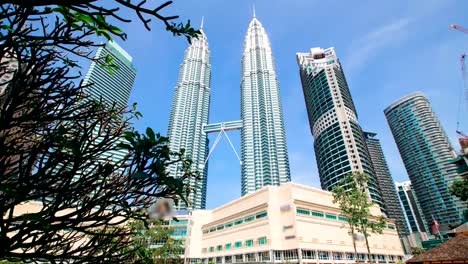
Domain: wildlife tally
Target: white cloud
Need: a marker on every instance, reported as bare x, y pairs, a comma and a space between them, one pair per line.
371, 44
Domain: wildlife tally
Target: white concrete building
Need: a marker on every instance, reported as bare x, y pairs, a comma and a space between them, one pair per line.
288, 223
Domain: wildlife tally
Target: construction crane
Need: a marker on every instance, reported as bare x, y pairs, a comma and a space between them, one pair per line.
463, 138
459, 28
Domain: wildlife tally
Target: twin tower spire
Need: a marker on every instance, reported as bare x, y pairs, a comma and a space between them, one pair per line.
264, 157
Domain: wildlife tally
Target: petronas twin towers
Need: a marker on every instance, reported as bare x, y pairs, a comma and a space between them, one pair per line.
264, 156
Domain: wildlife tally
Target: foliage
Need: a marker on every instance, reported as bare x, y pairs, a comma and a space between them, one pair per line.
146, 236
417, 250
353, 199
459, 189
72, 26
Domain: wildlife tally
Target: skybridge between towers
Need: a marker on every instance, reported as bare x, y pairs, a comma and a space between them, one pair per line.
221, 128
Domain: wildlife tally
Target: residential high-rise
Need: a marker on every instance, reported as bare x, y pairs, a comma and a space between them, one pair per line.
338, 139
384, 178
189, 113
412, 210
111, 86
426, 153
264, 151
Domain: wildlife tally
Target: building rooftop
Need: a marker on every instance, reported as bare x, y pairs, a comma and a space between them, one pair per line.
452, 251
403, 99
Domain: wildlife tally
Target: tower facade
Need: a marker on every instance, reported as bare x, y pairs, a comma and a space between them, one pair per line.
384, 178
426, 153
264, 150
112, 87
412, 210
339, 142
189, 113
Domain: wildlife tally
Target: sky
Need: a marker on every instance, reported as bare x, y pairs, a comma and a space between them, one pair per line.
388, 49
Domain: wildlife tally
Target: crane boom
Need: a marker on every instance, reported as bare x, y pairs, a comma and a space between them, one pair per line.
459, 28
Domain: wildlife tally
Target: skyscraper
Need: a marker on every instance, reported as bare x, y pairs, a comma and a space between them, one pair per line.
412, 210
112, 87
338, 139
387, 187
190, 109
426, 153
264, 151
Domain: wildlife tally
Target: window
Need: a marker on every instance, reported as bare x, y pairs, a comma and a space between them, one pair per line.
323, 255
248, 219
290, 254
342, 218
391, 227
262, 241
238, 222
249, 243
302, 211
337, 256
239, 258
228, 259
264, 256
330, 216
227, 246
308, 254
219, 248
238, 244
350, 256
228, 225
278, 255
211, 249
261, 215
318, 214
220, 227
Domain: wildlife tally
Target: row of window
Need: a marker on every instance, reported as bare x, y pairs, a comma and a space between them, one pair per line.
303, 211
292, 254
237, 244
236, 222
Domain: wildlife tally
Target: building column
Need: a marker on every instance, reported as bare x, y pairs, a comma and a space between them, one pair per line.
299, 255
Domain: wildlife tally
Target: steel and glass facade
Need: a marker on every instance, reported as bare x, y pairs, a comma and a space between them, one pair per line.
384, 178
111, 86
426, 153
189, 113
264, 151
412, 210
339, 142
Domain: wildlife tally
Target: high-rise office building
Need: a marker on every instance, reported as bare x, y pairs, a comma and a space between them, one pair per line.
264, 151
189, 113
338, 139
426, 153
384, 178
111, 86
412, 210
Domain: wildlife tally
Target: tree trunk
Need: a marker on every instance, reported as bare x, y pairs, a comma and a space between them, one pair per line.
354, 245
368, 248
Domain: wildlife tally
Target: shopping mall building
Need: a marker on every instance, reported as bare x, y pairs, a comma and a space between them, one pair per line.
290, 223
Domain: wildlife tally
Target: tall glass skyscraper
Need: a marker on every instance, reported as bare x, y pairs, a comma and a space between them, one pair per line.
426, 153
189, 113
412, 210
112, 87
384, 178
338, 139
264, 151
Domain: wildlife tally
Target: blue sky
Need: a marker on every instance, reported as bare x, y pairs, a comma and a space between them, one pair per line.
387, 49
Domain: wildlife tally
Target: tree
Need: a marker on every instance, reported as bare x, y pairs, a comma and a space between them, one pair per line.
417, 250
146, 237
352, 196
55, 146
459, 189
56, 143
